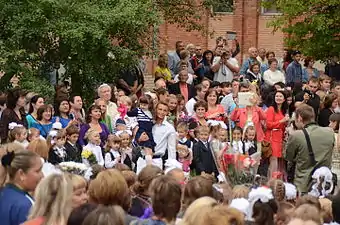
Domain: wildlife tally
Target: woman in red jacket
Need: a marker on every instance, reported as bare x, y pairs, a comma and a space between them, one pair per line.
277, 117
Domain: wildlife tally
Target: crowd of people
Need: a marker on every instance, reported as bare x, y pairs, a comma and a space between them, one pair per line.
214, 142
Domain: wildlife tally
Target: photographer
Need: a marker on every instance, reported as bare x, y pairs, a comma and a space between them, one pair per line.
309, 96
225, 67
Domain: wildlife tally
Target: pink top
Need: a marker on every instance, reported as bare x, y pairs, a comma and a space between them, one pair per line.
219, 109
241, 115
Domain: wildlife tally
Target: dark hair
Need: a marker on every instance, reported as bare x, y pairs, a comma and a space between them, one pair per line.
41, 110
73, 96
270, 52
199, 87
210, 90
201, 104
244, 84
88, 115
253, 65
281, 84
178, 42
307, 60
57, 105
225, 84
145, 100
288, 57
296, 52
34, 100
284, 106
336, 207
161, 91
12, 97
263, 213
271, 61
329, 99
78, 214
3, 98
335, 117
205, 53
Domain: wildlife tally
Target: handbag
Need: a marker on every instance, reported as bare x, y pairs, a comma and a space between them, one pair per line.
266, 149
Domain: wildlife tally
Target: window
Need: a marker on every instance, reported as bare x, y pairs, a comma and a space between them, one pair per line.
269, 7
222, 6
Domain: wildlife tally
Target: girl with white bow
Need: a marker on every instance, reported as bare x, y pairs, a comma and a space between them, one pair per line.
126, 147
56, 140
17, 134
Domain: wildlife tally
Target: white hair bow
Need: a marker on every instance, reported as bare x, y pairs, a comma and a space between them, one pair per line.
171, 164
263, 194
291, 192
120, 132
327, 178
214, 123
13, 125
88, 174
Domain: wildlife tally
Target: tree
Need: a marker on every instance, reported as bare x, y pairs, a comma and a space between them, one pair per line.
93, 39
312, 26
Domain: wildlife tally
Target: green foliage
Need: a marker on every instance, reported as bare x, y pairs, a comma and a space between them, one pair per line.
313, 26
81, 34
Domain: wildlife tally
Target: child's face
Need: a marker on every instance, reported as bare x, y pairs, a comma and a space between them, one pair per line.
223, 135
34, 136
115, 145
256, 69
181, 105
326, 84
144, 106
251, 135
218, 89
125, 140
60, 142
237, 135
73, 138
95, 138
120, 127
226, 90
22, 136
203, 136
172, 104
182, 133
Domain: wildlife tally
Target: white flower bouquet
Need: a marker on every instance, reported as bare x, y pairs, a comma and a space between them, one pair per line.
73, 167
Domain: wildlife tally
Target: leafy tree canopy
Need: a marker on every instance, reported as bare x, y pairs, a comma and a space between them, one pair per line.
93, 39
313, 26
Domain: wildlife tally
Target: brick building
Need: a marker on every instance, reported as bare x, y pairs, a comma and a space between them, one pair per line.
248, 19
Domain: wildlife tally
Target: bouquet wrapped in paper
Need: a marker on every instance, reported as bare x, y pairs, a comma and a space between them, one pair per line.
73, 167
88, 157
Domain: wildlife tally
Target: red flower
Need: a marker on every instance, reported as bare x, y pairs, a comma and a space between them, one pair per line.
228, 158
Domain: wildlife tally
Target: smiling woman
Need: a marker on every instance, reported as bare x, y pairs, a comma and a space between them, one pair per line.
93, 121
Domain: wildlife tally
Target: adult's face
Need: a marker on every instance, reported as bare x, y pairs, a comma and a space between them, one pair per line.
262, 53
253, 52
160, 84
313, 86
32, 176
102, 106
200, 112
208, 56
162, 111
21, 102
270, 56
105, 93
212, 98
180, 46
297, 57
298, 122
64, 107
47, 114
39, 103
235, 86
183, 76
273, 66
279, 98
77, 103
198, 51
96, 114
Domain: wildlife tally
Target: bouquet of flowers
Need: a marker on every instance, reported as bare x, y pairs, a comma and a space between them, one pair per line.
238, 168
73, 167
89, 156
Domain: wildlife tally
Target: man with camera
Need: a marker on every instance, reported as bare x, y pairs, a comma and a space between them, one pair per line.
309, 96
225, 67
308, 148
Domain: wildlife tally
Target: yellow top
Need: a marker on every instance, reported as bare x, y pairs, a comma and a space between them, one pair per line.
165, 72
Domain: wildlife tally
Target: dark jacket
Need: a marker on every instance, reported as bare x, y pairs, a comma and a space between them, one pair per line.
323, 119
203, 159
175, 89
73, 153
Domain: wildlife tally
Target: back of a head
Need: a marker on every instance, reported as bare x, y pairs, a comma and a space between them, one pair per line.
308, 212
145, 178
196, 188
165, 193
306, 112
336, 207
105, 215
301, 222
278, 188
53, 197
308, 199
78, 215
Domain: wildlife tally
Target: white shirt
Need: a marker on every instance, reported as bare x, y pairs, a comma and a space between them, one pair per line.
97, 151
109, 162
224, 73
189, 81
164, 136
271, 78
190, 106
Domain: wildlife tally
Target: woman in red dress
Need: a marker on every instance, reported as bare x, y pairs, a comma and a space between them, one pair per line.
277, 117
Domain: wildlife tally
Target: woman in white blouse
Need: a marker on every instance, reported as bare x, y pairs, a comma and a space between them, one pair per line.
273, 75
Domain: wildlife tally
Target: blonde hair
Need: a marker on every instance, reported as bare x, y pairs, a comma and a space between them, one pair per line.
240, 191
76, 180
130, 177
206, 211
40, 147
308, 212
326, 210
111, 139
18, 130
53, 197
125, 100
89, 133
32, 132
